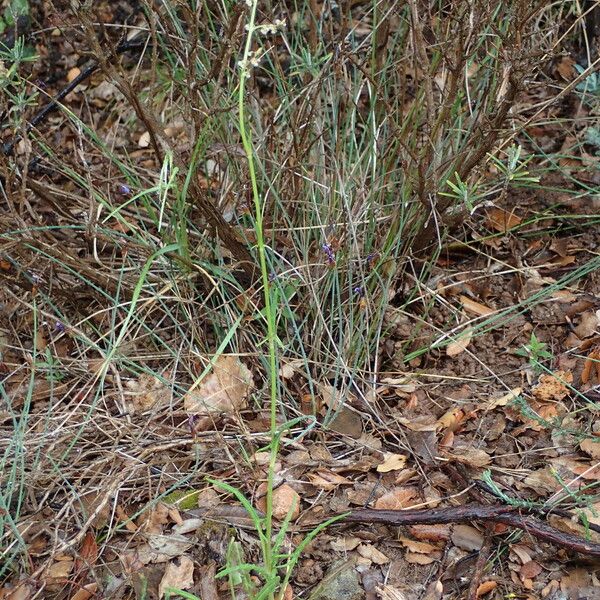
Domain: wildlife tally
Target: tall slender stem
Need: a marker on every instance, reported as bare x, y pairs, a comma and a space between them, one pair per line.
270, 316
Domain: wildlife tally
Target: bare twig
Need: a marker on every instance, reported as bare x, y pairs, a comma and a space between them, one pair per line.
507, 515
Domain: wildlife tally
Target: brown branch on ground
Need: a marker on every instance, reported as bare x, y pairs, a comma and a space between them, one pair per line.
507, 515
135, 44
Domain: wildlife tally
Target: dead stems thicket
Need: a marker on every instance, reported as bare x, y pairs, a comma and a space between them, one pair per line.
126, 235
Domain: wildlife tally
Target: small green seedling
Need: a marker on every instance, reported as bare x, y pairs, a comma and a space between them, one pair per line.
536, 352
461, 191
514, 169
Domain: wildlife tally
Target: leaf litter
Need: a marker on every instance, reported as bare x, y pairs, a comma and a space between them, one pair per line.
473, 404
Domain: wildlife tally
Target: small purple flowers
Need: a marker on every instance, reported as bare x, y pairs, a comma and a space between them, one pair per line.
359, 291
123, 189
59, 327
372, 259
329, 253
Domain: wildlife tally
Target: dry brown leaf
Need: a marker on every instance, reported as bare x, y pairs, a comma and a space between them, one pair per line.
591, 447
170, 545
450, 419
420, 423
501, 220
415, 546
467, 537
433, 533
179, 575
575, 580
328, 480
521, 553
543, 481
144, 140
552, 387
503, 400
285, 498
59, 571
387, 592
371, 553
103, 92
565, 68
485, 588
145, 393
419, 559
124, 518
87, 555
392, 462
475, 307
207, 582
24, 591
460, 344
588, 324
344, 544
347, 422
530, 570
563, 296
223, 391
583, 469
398, 498
86, 592
153, 520
473, 457
290, 368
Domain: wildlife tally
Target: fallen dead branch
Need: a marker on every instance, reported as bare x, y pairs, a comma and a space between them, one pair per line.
475, 512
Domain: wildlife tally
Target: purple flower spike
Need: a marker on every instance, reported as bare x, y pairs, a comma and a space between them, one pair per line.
329, 252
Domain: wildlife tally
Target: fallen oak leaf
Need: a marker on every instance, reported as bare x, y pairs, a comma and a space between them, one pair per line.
504, 400
591, 447
553, 387
397, 499
179, 575
392, 462
501, 220
223, 391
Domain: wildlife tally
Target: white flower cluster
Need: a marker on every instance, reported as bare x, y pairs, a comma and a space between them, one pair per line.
271, 28
252, 61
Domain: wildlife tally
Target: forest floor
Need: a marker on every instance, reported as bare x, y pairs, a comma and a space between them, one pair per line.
105, 468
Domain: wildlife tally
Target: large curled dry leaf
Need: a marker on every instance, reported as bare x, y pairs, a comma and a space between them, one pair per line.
223, 391
179, 575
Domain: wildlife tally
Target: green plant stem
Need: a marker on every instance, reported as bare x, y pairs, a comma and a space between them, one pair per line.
270, 317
